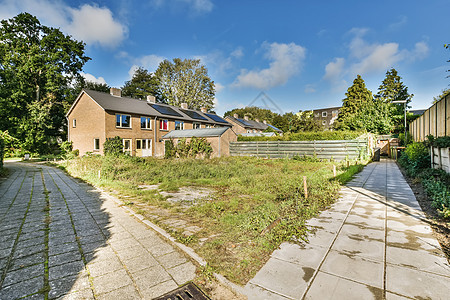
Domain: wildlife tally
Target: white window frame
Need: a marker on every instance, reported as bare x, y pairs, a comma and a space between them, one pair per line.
181, 123
131, 145
324, 114
165, 121
95, 144
121, 125
148, 123
74, 123
196, 125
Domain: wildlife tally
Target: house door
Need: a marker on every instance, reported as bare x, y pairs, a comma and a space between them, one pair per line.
127, 146
143, 147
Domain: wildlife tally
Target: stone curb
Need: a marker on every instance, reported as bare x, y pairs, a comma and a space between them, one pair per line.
187, 250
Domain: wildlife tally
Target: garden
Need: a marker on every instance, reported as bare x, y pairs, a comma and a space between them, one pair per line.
247, 208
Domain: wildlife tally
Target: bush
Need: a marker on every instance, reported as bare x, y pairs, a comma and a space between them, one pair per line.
440, 195
113, 146
2, 151
440, 142
194, 148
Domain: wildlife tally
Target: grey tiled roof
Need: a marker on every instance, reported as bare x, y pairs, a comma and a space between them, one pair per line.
141, 107
202, 132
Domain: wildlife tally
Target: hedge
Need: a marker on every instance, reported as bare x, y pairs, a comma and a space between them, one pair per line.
306, 136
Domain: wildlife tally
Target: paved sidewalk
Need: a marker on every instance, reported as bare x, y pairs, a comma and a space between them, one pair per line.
374, 243
62, 239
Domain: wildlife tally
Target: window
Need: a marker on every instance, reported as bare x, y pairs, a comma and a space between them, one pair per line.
127, 146
324, 114
196, 125
96, 144
123, 121
74, 123
138, 144
146, 123
324, 122
163, 124
208, 126
179, 125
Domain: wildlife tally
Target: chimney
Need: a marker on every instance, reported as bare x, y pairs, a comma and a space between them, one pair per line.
265, 122
115, 92
246, 117
257, 120
151, 99
184, 105
204, 110
236, 116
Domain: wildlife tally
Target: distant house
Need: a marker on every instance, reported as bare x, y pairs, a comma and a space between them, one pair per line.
246, 125
96, 116
219, 138
326, 116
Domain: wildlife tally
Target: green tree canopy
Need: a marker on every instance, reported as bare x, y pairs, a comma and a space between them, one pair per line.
393, 89
442, 95
142, 84
253, 112
37, 63
185, 81
357, 97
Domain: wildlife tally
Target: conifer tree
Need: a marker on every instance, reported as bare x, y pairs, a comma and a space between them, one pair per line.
357, 98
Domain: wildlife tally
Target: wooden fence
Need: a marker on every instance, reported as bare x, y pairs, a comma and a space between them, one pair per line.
434, 121
440, 158
337, 150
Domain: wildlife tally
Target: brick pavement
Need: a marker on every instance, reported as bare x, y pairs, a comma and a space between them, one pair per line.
61, 239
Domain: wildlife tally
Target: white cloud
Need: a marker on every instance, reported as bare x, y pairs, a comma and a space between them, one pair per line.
365, 58
92, 78
286, 61
334, 69
148, 62
94, 24
90, 23
402, 20
218, 87
195, 6
238, 53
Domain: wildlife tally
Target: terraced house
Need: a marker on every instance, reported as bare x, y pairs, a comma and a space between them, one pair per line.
245, 125
95, 116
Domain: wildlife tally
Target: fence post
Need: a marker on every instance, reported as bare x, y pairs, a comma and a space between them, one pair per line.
334, 170
305, 188
99, 174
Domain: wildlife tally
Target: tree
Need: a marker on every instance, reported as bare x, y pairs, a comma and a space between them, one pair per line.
253, 112
442, 95
185, 81
393, 89
141, 85
37, 63
357, 97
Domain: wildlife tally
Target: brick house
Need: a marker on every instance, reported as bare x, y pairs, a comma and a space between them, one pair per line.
96, 116
245, 125
326, 116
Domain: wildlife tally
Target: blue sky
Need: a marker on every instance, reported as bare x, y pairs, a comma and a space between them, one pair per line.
302, 54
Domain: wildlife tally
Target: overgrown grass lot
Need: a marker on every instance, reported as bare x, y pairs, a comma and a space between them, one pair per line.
255, 204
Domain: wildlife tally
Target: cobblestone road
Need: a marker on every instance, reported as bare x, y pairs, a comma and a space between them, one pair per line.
62, 239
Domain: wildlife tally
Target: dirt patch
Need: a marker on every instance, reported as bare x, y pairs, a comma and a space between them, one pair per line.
441, 227
187, 196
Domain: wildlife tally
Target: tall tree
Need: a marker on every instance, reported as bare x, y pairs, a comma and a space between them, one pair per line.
142, 84
357, 97
185, 81
393, 89
36, 65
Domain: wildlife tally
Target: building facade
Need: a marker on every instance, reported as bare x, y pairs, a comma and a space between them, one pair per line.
326, 116
95, 116
245, 125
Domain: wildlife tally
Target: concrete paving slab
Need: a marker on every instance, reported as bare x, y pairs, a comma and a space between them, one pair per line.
327, 286
283, 278
128, 292
159, 289
110, 282
182, 273
416, 284
150, 277
255, 292
306, 255
355, 268
171, 259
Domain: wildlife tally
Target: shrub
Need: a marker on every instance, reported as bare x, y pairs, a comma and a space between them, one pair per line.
113, 146
307, 136
2, 151
440, 195
169, 149
197, 146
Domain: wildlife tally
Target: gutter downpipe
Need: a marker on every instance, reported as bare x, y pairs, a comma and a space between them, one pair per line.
154, 148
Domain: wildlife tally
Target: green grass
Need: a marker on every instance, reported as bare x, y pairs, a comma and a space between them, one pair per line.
250, 194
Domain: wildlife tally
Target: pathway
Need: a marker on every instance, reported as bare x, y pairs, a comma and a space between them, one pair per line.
374, 243
62, 239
